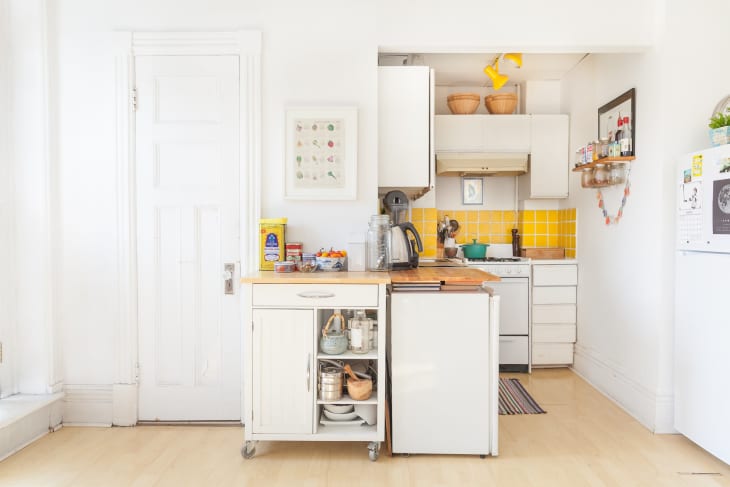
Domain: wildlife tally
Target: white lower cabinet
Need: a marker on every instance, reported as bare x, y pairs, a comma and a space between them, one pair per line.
554, 313
282, 329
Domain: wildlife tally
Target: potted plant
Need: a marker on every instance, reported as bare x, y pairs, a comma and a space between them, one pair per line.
720, 128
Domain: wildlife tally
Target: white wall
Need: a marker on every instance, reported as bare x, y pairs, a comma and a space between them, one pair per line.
313, 54
625, 313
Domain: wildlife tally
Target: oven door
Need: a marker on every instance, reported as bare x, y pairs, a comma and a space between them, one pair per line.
514, 293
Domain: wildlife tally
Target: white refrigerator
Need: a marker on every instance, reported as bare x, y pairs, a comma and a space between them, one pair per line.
702, 301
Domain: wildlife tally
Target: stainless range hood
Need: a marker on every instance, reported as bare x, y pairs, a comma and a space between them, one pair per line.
481, 163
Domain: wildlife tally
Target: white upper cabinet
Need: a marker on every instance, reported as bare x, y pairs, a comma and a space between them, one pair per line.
482, 133
405, 114
549, 172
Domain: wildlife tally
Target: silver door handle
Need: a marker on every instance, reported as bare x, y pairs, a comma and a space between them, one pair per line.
316, 294
229, 269
309, 369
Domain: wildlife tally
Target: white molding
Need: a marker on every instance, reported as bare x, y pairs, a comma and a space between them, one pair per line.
88, 405
664, 423
629, 395
246, 45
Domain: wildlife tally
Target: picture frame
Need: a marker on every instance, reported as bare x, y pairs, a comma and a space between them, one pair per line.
472, 191
320, 161
624, 105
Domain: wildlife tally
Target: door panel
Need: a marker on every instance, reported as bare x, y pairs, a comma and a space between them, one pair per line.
187, 166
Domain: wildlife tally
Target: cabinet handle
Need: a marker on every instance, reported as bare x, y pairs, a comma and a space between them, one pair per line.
309, 369
316, 294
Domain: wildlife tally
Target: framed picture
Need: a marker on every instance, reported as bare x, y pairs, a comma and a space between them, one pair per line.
608, 115
321, 153
472, 191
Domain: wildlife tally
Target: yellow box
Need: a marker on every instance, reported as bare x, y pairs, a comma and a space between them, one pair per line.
271, 248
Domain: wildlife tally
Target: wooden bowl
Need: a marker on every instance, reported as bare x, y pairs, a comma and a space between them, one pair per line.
501, 104
463, 103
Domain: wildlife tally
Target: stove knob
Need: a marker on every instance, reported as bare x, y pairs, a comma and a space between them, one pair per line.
509, 270
518, 270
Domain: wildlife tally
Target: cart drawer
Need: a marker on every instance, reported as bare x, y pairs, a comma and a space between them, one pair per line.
316, 295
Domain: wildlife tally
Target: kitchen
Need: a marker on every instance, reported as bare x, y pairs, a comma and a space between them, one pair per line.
625, 335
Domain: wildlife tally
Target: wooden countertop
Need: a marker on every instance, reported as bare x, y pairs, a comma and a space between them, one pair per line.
448, 275
271, 277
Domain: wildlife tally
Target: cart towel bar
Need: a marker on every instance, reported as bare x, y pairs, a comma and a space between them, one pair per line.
316, 294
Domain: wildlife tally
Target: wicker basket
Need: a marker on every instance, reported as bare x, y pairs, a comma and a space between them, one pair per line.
501, 104
463, 103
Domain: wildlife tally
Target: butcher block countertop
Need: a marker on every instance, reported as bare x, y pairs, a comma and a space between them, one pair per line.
446, 275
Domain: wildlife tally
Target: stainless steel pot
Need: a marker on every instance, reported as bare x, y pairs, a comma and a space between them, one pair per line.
330, 383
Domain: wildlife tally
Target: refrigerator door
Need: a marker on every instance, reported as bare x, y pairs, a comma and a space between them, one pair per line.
703, 201
702, 342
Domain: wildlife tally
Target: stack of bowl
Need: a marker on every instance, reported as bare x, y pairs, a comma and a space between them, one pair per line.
501, 103
463, 103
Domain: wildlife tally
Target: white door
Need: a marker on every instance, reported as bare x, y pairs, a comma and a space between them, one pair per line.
187, 165
283, 371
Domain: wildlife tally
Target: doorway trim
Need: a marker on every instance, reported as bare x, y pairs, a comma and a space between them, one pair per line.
247, 46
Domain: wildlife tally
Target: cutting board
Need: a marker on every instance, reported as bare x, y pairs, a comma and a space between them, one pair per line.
543, 252
447, 275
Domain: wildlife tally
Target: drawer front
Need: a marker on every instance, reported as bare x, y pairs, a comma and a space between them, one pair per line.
553, 333
553, 313
513, 350
316, 295
552, 354
554, 295
554, 275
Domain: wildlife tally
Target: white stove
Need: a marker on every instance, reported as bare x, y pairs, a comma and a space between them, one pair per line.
514, 292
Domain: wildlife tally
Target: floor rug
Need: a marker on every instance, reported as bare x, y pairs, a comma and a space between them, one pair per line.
514, 399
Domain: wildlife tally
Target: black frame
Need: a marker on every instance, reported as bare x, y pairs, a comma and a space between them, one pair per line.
612, 106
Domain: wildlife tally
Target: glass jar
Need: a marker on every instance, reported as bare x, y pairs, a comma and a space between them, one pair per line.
308, 263
360, 328
604, 147
586, 178
601, 175
596, 150
379, 243
617, 173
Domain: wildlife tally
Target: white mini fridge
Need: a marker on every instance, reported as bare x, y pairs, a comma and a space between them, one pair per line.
702, 309
444, 365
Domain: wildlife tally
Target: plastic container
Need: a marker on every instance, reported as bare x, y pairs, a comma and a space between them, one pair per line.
285, 266
357, 249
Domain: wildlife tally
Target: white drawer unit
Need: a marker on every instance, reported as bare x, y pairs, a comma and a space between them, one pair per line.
554, 313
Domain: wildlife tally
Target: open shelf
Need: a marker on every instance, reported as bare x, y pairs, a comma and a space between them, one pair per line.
348, 355
604, 161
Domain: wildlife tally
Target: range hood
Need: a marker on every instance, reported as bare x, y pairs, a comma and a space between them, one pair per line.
481, 163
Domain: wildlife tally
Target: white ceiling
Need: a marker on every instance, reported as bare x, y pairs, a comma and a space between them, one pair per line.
468, 69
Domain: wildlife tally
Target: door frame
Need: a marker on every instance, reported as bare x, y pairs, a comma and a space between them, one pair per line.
247, 46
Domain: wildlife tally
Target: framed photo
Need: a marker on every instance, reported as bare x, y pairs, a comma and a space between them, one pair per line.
608, 115
321, 153
472, 191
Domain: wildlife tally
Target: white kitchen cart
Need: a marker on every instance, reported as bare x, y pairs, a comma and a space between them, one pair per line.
283, 318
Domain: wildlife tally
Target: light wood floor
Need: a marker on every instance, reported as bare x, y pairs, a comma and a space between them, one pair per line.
584, 440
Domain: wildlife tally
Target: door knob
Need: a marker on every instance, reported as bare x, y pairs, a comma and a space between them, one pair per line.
229, 269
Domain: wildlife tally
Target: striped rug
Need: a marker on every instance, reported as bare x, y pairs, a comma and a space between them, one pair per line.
514, 399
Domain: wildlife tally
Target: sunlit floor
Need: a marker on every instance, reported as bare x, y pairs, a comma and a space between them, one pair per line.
583, 440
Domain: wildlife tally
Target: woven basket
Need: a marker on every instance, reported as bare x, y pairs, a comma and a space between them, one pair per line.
463, 103
501, 104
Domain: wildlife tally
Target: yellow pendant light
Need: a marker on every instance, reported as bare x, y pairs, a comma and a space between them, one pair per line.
498, 80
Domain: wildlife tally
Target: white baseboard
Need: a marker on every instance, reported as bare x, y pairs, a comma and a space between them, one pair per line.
653, 411
27, 418
124, 399
88, 405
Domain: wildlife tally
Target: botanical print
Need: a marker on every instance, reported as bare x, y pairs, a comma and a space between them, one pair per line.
319, 153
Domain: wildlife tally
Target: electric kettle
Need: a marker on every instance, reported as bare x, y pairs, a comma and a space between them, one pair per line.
403, 253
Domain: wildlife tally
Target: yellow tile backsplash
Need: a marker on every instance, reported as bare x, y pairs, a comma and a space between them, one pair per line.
539, 228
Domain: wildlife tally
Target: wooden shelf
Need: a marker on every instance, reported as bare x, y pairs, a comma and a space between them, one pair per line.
604, 161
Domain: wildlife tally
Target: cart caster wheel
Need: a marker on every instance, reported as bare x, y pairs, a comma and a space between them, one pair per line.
248, 450
373, 450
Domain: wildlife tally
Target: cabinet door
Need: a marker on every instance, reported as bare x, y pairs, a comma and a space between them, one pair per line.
283, 371
507, 133
404, 126
459, 133
549, 159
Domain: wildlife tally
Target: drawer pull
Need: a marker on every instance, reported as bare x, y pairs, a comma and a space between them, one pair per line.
316, 294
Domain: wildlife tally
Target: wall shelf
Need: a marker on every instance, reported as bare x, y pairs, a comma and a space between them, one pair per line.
605, 160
